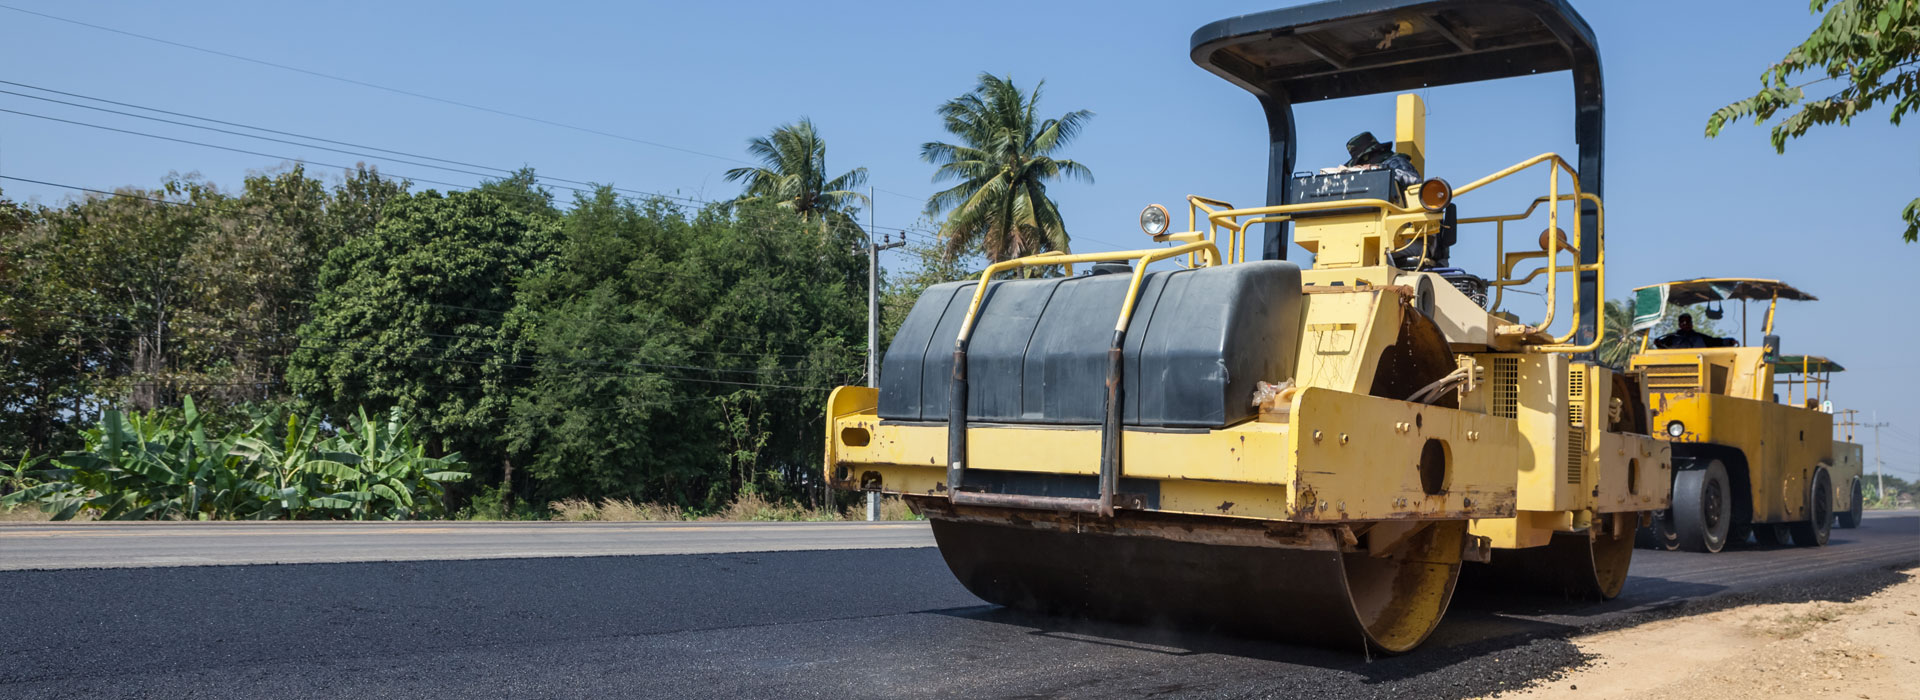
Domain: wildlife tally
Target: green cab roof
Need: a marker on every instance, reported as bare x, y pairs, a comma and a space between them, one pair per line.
1650, 302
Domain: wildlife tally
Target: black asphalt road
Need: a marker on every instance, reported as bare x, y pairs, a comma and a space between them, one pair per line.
880, 623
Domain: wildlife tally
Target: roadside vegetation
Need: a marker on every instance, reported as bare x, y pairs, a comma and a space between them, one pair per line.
1897, 492
163, 465
356, 347
1865, 53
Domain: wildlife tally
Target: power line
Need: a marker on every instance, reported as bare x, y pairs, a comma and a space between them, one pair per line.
500, 170
157, 110
375, 86
215, 146
691, 200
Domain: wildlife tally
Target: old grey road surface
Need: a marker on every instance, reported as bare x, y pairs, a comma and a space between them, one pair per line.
102, 545
813, 621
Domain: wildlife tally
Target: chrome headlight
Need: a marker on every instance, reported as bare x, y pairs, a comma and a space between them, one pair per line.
1154, 220
1676, 428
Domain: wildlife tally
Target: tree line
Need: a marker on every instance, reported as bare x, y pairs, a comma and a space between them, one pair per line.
649, 349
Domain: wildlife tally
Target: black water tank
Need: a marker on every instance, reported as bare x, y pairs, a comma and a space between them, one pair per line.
1198, 341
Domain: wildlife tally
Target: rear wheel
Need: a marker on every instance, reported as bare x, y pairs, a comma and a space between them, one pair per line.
1813, 531
1850, 518
1703, 507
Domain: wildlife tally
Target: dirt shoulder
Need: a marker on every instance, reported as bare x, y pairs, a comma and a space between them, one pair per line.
1868, 648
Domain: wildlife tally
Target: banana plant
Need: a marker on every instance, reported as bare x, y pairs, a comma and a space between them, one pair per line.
384, 472
147, 466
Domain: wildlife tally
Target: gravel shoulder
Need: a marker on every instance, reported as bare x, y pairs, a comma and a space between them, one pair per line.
1867, 648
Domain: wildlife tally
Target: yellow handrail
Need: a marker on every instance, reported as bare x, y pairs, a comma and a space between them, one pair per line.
1238, 221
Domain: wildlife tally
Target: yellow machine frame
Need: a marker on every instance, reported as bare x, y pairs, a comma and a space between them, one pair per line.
1527, 455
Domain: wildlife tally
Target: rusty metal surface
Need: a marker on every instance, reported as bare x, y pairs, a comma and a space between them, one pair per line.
1014, 500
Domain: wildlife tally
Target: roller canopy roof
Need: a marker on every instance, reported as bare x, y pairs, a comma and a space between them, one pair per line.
1330, 50
1350, 48
1706, 289
1809, 364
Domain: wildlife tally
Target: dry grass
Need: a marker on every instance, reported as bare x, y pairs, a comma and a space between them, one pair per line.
613, 510
24, 514
753, 506
748, 507
891, 508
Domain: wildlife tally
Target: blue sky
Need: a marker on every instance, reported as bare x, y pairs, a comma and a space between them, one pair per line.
703, 77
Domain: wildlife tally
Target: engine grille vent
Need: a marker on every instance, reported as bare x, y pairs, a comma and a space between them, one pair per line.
1503, 376
1576, 424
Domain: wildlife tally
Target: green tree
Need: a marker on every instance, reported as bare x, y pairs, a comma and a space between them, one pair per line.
927, 264
411, 315
47, 361
1005, 158
793, 174
682, 357
1871, 46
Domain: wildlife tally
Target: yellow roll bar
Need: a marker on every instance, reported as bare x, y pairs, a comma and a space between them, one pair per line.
1054, 257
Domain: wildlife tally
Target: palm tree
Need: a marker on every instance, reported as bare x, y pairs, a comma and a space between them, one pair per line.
1619, 342
794, 174
1003, 165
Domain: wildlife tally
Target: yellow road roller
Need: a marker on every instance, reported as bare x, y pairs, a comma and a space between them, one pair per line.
1754, 451
1232, 442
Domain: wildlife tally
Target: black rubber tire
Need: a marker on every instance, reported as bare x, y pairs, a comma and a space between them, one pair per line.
1658, 534
1850, 518
1703, 507
1814, 531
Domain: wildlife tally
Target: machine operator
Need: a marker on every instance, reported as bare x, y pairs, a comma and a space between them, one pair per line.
1686, 337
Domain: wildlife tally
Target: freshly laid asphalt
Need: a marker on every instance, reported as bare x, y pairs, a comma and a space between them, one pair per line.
812, 622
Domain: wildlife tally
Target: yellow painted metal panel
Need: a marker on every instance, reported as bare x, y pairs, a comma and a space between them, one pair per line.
1246, 453
1781, 444
1542, 423
1525, 529
1635, 473
1360, 458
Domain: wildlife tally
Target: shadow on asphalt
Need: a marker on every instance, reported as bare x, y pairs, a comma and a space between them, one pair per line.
1453, 644
1506, 636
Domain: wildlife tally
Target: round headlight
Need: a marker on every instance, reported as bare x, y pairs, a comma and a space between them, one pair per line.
1154, 220
1435, 194
1676, 428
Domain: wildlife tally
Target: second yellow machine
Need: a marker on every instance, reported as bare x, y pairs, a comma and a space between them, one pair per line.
1308, 454
1754, 450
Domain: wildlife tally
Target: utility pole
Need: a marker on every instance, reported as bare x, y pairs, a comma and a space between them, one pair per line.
873, 320
1879, 475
